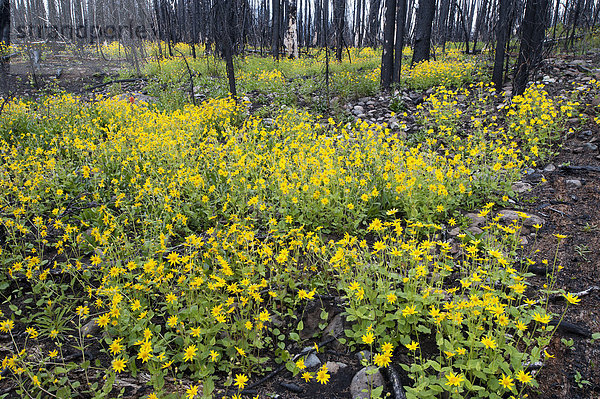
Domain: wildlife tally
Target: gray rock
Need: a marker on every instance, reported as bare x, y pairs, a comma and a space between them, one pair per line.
550, 168
476, 220
90, 328
362, 383
573, 183
474, 230
336, 327
454, 232
508, 215
357, 110
521, 187
334, 367
591, 146
312, 361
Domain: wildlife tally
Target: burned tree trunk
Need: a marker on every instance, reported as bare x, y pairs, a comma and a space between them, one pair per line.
5, 22
374, 22
533, 31
424, 21
387, 56
291, 35
399, 46
276, 27
339, 12
502, 35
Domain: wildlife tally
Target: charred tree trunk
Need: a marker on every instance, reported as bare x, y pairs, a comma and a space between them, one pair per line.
502, 34
5, 22
339, 12
276, 19
399, 46
374, 22
291, 34
533, 31
424, 20
387, 56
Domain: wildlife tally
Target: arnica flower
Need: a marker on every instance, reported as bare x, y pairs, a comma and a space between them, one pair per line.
506, 381
454, 379
323, 375
118, 365
523, 377
240, 381
572, 299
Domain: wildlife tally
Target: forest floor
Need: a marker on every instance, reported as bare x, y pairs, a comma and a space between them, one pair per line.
565, 193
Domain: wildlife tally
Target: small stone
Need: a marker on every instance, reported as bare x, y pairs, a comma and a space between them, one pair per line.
334, 367
524, 241
371, 102
577, 150
550, 168
336, 327
474, 230
90, 328
585, 134
364, 382
476, 220
454, 232
573, 183
521, 187
591, 147
357, 110
312, 361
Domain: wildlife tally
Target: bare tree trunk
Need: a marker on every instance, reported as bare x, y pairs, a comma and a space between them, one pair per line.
387, 56
5, 22
291, 35
276, 20
399, 46
502, 34
532, 39
339, 12
374, 22
422, 46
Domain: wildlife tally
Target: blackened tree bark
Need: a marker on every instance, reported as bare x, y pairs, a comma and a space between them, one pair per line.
225, 34
387, 56
424, 20
276, 34
374, 22
399, 46
339, 16
5, 22
502, 35
533, 31
443, 22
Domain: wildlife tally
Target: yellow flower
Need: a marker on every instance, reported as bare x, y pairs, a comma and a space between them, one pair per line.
382, 360
240, 351
572, 299
323, 375
118, 365
172, 321
190, 352
541, 319
213, 355
413, 346
300, 363
391, 298
387, 347
116, 347
306, 376
368, 338
240, 381
488, 342
192, 392
506, 381
524, 377
454, 379
409, 310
